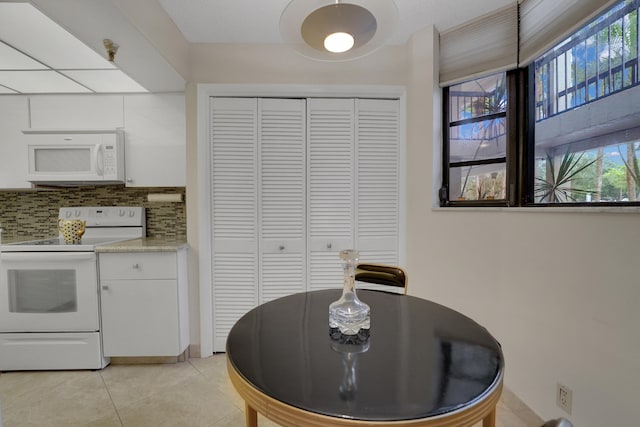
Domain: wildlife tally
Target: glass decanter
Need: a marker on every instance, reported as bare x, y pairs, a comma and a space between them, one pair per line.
349, 318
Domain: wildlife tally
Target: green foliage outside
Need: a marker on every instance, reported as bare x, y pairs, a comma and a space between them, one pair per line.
578, 182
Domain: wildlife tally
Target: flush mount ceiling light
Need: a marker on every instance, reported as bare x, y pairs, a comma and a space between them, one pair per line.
338, 42
337, 31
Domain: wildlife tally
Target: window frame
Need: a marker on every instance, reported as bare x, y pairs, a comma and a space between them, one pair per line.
512, 192
520, 162
527, 162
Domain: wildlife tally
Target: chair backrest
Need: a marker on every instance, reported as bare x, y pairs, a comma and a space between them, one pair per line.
560, 422
380, 274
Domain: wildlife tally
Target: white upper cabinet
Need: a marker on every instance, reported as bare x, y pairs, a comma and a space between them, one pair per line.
14, 117
154, 127
155, 140
76, 112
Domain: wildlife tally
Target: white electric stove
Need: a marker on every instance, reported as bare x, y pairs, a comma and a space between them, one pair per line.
51, 316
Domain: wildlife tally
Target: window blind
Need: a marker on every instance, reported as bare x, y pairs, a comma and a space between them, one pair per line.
479, 47
545, 23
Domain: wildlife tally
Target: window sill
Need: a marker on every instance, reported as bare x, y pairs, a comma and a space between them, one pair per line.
553, 209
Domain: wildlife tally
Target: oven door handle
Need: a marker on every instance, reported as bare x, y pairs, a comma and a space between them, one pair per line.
47, 256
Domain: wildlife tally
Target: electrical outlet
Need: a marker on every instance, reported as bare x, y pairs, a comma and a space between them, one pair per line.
564, 397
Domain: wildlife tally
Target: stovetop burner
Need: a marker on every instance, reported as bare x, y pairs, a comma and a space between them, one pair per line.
87, 244
103, 225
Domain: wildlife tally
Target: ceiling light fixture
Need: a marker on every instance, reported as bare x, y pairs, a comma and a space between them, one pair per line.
338, 30
338, 42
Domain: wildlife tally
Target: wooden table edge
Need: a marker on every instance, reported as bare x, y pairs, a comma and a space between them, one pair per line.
286, 415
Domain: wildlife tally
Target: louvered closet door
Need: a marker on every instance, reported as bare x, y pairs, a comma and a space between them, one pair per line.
282, 154
330, 188
234, 212
377, 180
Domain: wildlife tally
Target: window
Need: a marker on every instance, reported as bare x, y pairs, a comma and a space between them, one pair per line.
587, 114
477, 115
564, 130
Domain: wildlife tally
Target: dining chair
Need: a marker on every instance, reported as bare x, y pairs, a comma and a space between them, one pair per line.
560, 422
381, 274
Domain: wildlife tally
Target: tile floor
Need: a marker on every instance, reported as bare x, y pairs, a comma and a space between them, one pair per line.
192, 393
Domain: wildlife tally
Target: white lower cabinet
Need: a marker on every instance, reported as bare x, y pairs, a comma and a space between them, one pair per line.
144, 303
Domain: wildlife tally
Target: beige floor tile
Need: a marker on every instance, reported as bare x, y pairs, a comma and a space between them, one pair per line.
214, 367
130, 383
238, 420
520, 409
76, 398
235, 419
193, 393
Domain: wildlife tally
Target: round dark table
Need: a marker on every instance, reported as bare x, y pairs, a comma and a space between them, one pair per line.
423, 365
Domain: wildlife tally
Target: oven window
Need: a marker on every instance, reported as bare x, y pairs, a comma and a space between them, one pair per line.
42, 291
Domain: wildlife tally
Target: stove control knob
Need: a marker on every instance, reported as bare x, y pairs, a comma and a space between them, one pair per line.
67, 214
78, 213
132, 214
121, 212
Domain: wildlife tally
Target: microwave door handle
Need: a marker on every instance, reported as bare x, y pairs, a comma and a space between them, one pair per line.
99, 160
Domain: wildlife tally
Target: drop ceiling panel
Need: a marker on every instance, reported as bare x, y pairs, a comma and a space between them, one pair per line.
12, 59
39, 56
105, 81
27, 29
6, 90
41, 81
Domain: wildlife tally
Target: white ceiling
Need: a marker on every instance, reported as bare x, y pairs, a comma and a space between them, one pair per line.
161, 63
257, 21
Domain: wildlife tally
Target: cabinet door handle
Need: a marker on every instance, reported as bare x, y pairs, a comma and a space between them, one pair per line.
281, 247
105, 288
328, 245
136, 265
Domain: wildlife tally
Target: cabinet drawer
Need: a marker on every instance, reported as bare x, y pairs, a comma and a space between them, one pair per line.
134, 265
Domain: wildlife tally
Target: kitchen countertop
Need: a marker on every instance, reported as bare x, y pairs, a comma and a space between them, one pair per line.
145, 244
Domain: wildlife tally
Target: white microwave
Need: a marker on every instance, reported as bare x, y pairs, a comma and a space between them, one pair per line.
75, 158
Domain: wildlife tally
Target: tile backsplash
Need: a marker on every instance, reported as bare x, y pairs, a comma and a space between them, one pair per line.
28, 215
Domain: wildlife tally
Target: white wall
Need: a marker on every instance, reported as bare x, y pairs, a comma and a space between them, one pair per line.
558, 289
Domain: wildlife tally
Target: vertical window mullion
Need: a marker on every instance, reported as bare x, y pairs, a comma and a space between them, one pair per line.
553, 64
610, 79
444, 191
636, 69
